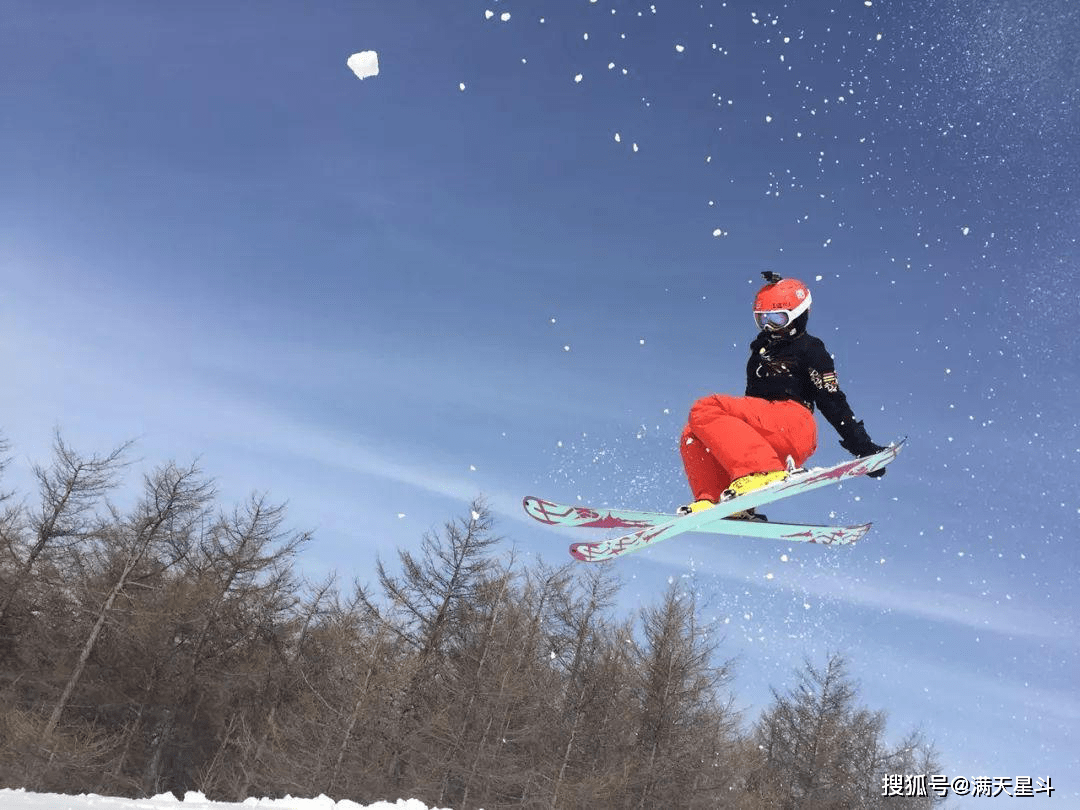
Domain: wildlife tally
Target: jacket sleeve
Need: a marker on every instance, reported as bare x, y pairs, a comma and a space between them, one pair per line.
828, 397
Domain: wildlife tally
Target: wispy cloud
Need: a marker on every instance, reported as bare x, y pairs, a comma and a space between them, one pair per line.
947, 607
942, 607
326, 447
124, 365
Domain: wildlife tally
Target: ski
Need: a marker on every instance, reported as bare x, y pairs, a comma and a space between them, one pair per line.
795, 484
556, 514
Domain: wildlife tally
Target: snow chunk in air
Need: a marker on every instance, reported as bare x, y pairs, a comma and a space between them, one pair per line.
364, 64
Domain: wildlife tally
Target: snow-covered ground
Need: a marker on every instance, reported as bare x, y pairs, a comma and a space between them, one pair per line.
22, 800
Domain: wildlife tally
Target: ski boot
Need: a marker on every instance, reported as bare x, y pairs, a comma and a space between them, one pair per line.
748, 514
697, 506
752, 482
703, 504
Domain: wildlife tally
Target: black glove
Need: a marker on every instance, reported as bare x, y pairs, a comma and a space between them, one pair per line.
858, 443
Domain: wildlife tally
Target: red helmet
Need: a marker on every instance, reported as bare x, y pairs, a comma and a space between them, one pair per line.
779, 303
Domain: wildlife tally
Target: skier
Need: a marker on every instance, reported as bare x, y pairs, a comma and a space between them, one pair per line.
734, 445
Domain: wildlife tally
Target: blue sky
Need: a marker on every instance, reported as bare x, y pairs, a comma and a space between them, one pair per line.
384, 297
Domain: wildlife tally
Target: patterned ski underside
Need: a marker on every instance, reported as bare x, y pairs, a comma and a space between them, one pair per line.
794, 485
556, 514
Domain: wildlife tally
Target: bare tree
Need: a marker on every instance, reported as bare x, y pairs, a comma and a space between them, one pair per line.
375, 655
577, 640
475, 656
172, 503
422, 607
5, 460
273, 701
71, 488
682, 717
247, 585
820, 749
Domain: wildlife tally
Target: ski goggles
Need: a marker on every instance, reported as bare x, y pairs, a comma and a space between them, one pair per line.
776, 319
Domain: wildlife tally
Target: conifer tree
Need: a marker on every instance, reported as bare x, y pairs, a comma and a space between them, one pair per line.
682, 716
71, 489
423, 603
820, 749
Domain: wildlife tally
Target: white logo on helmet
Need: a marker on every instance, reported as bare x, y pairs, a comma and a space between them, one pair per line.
800, 294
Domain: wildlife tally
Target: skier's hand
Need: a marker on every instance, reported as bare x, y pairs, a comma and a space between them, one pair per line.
860, 444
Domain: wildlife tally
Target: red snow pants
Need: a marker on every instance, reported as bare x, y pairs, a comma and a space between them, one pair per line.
728, 437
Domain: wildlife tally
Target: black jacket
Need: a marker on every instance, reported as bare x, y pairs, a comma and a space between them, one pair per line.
799, 367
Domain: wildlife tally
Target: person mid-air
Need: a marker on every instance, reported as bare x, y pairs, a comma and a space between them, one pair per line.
734, 445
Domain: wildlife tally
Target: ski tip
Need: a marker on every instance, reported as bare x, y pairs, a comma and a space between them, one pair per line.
588, 552
534, 508
578, 552
857, 534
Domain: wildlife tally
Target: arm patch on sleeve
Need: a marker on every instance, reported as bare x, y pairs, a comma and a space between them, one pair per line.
826, 381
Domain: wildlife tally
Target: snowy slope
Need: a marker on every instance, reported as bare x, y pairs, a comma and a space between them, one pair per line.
22, 800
